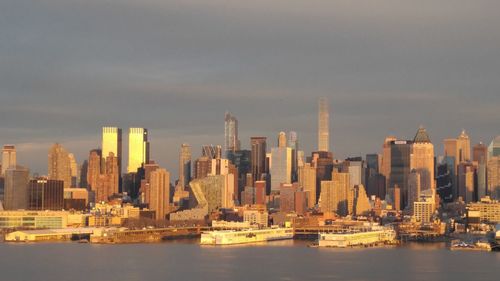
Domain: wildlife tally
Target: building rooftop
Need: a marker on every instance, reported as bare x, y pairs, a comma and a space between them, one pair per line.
422, 136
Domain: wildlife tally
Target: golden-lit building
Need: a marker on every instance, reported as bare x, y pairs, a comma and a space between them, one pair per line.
59, 165
159, 184
112, 142
138, 149
94, 168
494, 176
422, 159
336, 195
108, 183
323, 125
489, 209
307, 180
8, 157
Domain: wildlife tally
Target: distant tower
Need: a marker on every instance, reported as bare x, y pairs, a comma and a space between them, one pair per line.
185, 165
494, 147
422, 160
16, 188
231, 141
160, 192
8, 157
112, 142
94, 169
323, 125
59, 165
282, 139
258, 157
138, 149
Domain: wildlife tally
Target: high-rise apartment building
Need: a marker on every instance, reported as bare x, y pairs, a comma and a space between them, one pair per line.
112, 142
16, 188
108, 183
307, 180
138, 149
94, 169
59, 165
231, 141
184, 165
160, 192
9, 158
323, 125
336, 195
281, 163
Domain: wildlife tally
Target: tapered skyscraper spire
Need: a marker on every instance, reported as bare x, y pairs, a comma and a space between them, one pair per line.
323, 125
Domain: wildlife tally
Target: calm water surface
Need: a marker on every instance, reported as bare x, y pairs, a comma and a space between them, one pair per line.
287, 260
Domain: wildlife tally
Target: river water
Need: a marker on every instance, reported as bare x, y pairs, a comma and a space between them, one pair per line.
286, 260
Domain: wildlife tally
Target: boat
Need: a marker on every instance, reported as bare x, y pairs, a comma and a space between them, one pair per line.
375, 236
232, 237
477, 246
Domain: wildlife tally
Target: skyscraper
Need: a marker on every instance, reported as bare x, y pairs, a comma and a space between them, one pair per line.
400, 169
323, 125
160, 192
281, 163
8, 157
185, 165
112, 142
231, 141
293, 143
59, 165
337, 195
94, 168
480, 156
422, 160
16, 188
494, 147
494, 177
258, 157
108, 183
138, 149
75, 172
307, 180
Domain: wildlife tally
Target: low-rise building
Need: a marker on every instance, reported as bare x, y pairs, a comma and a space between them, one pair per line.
489, 210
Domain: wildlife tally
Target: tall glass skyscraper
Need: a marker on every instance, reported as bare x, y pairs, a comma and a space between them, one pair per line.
231, 141
112, 142
138, 149
323, 125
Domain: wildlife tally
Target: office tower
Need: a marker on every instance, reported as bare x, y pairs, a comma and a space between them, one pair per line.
160, 192
400, 168
16, 188
396, 195
422, 159
414, 187
494, 177
361, 202
322, 161
138, 149
211, 151
494, 147
112, 142
424, 208
375, 181
466, 175
480, 156
242, 160
444, 182
145, 180
463, 147
231, 141
323, 125
45, 194
8, 157
336, 195
307, 180
385, 167
59, 165
258, 157
293, 143
94, 168
260, 192
357, 171
83, 174
75, 172
185, 165
108, 182
281, 163
202, 167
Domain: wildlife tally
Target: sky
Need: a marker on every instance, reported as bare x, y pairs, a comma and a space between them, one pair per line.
69, 67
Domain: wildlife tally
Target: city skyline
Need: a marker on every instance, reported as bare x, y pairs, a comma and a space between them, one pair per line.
384, 73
